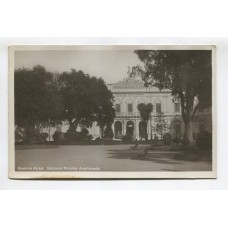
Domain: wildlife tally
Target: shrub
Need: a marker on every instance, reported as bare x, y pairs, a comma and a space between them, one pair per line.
19, 135
185, 141
83, 133
70, 136
57, 136
127, 138
108, 132
204, 140
44, 136
89, 137
176, 140
73, 136
167, 139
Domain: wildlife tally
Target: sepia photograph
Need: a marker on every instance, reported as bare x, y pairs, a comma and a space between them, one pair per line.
112, 111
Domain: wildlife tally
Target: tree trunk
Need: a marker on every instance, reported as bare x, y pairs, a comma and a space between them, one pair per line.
74, 125
102, 132
188, 113
188, 130
49, 133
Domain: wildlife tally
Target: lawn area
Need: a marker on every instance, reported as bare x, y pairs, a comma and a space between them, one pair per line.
105, 158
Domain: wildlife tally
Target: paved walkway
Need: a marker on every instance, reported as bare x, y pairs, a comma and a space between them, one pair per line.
102, 157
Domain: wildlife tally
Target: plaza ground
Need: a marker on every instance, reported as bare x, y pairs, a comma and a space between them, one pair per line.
104, 158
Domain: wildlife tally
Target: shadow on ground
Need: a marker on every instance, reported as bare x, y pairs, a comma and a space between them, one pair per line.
157, 157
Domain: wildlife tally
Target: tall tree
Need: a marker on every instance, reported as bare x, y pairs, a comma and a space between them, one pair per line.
37, 100
187, 73
145, 112
86, 99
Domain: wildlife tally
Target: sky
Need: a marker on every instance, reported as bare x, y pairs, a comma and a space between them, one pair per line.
111, 65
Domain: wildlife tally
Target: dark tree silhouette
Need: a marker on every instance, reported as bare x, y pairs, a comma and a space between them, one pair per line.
187, 73
37, 100
86, 99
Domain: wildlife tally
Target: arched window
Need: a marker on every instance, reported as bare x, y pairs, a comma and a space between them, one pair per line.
130, 128
118, 129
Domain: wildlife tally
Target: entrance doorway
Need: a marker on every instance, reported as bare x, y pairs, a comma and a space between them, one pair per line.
130, 128
118, 129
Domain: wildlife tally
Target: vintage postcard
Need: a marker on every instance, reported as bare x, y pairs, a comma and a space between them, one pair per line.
112, 111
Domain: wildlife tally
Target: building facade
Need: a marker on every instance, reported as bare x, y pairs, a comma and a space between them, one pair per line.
131, 92
128, 94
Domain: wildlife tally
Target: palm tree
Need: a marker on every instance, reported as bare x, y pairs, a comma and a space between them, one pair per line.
145, 113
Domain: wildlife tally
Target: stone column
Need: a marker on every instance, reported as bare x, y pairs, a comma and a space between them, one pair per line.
137, 128
152, 123
135, 105
149, 128
113, 129
123, 127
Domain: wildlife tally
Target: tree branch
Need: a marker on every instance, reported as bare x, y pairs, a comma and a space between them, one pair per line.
76, 122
